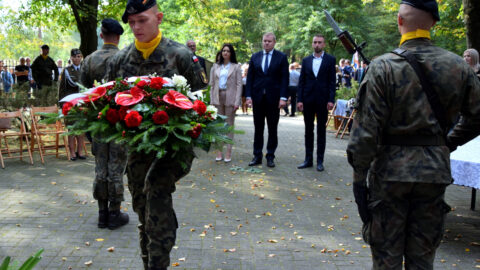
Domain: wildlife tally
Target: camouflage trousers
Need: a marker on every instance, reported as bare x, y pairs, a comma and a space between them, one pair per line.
151, 182
407, 223
110, 162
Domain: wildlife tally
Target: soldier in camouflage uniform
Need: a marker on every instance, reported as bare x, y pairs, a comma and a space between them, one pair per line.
110, 158
42, 68
151, 180
398, 143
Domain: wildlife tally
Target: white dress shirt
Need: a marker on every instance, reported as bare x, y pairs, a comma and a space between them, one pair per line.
222, 83
270, 54
317, 62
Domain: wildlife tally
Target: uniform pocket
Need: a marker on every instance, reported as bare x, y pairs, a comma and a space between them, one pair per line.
374, 231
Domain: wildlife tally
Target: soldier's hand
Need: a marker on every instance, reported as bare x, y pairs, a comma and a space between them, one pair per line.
360, 191
329, 106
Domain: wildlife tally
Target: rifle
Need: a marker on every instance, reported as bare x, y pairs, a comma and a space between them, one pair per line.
346, 39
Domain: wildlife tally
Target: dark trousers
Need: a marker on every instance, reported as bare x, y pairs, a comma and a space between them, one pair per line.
292, 92
262, 110
310, 111
407, 223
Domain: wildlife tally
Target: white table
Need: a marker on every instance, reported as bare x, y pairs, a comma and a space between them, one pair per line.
465, 164
341, 108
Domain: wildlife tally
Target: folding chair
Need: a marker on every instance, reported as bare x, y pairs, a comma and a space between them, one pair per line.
346, 120
21, 134
42, 134
331, 114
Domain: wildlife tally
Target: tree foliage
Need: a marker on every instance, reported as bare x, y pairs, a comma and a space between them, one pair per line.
240, 22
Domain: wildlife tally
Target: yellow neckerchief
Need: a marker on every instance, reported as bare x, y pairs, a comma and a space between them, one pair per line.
147, 48
44, 57
108, 43
419, 33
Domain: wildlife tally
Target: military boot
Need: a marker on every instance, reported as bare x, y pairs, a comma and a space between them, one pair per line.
117, 219
102, 218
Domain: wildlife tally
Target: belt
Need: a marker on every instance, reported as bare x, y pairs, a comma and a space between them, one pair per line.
413, 140
222, 89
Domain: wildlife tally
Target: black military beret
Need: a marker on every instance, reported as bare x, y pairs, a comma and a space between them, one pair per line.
45, 46
137, 6
75, 51
112, 26
429, 6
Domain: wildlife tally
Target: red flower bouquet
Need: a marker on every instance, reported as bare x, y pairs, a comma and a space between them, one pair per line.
147, 113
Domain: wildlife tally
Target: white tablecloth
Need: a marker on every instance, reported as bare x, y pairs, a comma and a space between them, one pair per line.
465, 163
341, 108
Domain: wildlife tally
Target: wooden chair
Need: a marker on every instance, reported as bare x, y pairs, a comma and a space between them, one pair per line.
42, 134
21, 134
331, 114
346, 120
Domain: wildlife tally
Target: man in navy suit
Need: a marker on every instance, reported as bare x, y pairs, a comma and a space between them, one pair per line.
266, 89
316, 95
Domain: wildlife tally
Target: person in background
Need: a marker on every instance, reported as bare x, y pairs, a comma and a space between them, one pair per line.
59, 65
42, 68
69, 85
347, 72
226, 90
293, 88
338, 75
33, 85
471, 57
267, 87
6, 77
21, 71
193, 47
244, 85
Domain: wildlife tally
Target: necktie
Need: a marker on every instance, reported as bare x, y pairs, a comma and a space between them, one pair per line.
265, 65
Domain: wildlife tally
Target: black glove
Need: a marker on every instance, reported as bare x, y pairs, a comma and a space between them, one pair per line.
360, 191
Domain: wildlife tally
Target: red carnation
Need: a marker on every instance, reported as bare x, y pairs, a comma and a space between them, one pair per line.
176, 99
113, 116
67, 106
199, 107
157, 83
160, 117
122, 112
141, 84
133, 119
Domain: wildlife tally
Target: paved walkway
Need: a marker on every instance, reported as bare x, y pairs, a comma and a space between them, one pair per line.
229, 218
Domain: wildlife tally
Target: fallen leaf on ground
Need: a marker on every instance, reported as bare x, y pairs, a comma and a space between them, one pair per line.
233, 233
271, 255
111, 249
64, 258
175, 264
99, 239
272, 241
87, 243
182, 259
88, 263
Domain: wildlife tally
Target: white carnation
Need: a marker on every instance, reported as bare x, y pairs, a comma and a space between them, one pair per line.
213, 110
195, 95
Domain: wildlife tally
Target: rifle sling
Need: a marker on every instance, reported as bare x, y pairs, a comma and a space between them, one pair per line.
433, 99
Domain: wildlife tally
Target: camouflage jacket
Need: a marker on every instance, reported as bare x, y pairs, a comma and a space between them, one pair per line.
42, 70
391, 101
94, 66
68, 82
168, 59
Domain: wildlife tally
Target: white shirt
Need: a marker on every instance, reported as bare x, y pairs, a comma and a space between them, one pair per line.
222, 84
269, 58
317, 62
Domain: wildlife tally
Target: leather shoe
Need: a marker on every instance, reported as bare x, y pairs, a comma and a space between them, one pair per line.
305, 164
320, 167
270, 163
255, 161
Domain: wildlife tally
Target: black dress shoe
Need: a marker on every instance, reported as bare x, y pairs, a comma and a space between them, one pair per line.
73, 158
292, 115
305, 164
320, 167
81, 157
255, 161
270, 163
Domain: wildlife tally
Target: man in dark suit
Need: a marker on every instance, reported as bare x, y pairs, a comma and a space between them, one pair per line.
193, 47
316, 95
266, 89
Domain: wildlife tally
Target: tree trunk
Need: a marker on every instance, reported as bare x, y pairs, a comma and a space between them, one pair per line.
85, 12
471, 10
